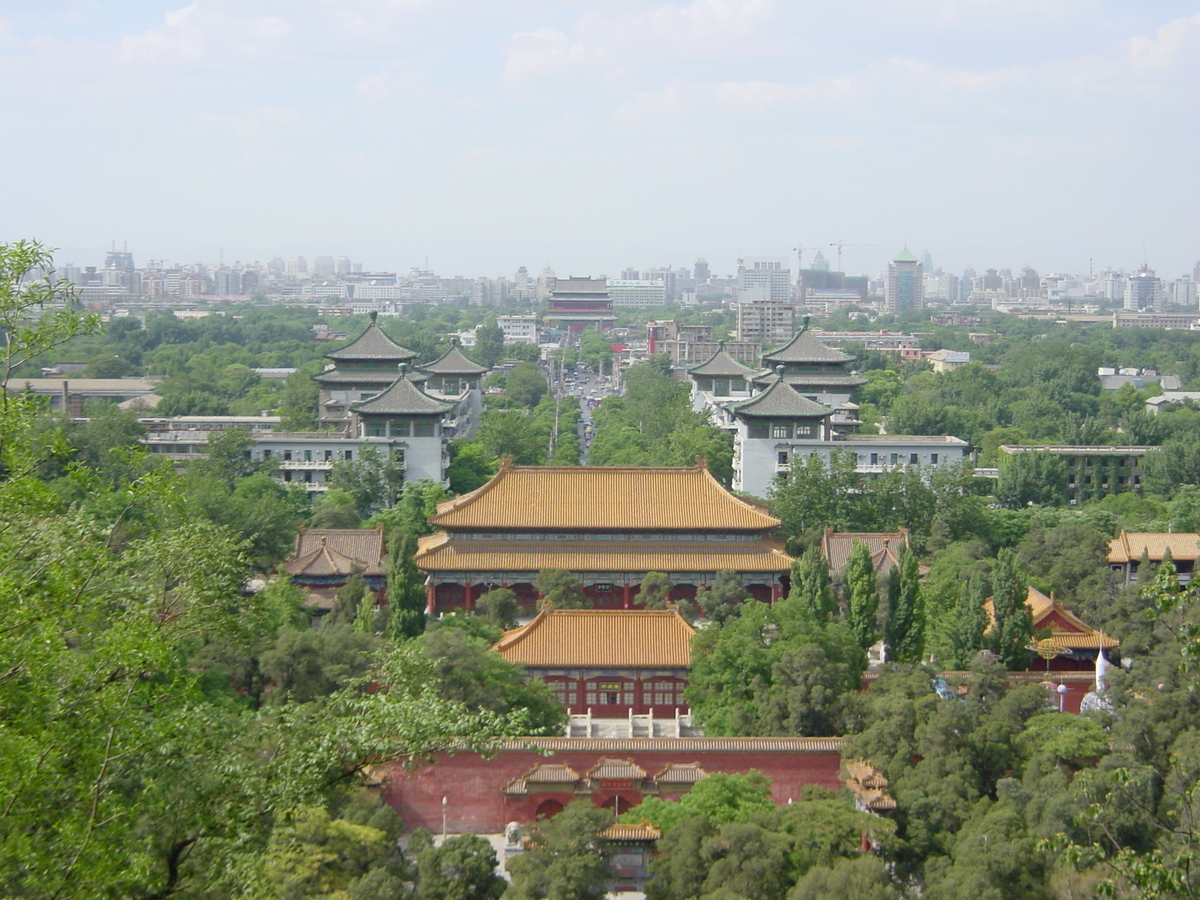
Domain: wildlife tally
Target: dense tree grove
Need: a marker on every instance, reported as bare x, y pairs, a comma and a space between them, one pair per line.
653, 424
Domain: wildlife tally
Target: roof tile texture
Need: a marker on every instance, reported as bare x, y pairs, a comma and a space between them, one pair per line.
402, 398
1128, 546
440, 553
780, 401
885, 548
805, 348
721, 363
372, 344
453, 362
611, 638
361, 545
602, 499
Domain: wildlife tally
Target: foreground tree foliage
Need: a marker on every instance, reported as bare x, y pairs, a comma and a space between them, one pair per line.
121, 774
565, 858
744, 846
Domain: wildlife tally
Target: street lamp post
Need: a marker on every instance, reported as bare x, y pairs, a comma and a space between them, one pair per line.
444, 802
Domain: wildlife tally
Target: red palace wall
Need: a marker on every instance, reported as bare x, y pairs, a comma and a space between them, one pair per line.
474, 786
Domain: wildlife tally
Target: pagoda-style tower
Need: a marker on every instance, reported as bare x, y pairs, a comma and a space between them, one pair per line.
720, 377
770, 428
816, 371
454, 377
404, 419
360, 370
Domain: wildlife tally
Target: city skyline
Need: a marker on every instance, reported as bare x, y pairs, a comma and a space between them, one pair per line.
356, 266
591, 136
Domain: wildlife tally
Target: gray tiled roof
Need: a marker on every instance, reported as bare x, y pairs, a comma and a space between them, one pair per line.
453, 362
779, 401
402, 398
372, 344
381, 377
804, 348
721, 364
813, 379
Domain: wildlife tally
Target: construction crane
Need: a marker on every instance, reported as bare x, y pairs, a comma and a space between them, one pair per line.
841, 244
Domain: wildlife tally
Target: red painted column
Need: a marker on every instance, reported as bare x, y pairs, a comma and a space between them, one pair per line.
468, 597
626, 596
776, 591
430, 599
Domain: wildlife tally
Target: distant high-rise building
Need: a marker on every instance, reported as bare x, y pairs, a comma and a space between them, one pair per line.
633, 293
701, 273
764, 278
927, 261
1143, 290
297, 266
276, 267
121, 260
904, 289
343, 265
820, 263
324, 266
766, 322
227, 281
1114, 286
1183, 292
545, 283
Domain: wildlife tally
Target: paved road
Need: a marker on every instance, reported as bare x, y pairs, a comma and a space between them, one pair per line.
589, 388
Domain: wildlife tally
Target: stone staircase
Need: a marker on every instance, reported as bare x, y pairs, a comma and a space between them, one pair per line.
585, 725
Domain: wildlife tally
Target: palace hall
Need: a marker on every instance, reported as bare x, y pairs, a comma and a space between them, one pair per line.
607, 526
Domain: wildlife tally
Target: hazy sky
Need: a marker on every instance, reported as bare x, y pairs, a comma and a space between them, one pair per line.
487, 134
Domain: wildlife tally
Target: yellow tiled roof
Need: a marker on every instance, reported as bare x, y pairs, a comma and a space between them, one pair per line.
680, 773
619, 831
1080, 635
548, 773
603, 499
590, 637
616, 770
1129, 546
441, 553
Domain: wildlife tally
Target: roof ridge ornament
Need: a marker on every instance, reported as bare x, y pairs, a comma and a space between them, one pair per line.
374, 315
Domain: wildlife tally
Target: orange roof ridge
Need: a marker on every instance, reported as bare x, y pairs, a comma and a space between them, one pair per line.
603, 498
587, 637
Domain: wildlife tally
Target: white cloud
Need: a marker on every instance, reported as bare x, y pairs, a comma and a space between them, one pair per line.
395, 82
1167, 47
543, 52
616, 43
203, 32
258, 124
